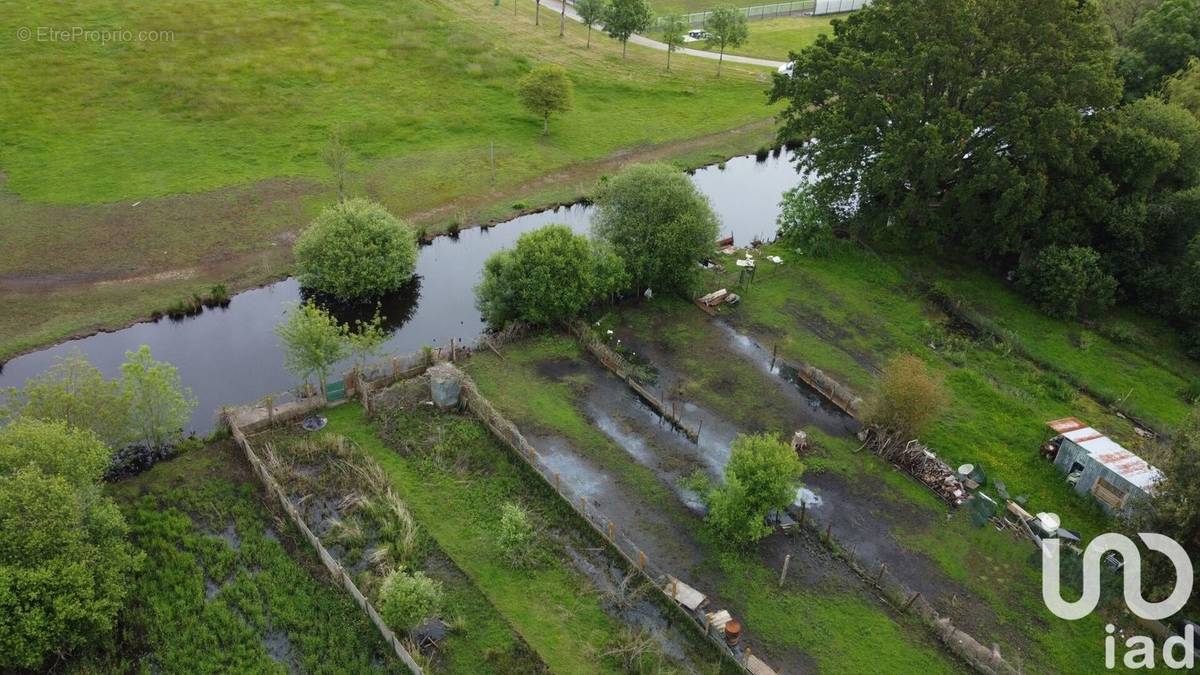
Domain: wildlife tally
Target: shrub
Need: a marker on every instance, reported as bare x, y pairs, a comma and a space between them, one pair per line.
909, 397
803, 224
408, 599
355, 250
551, 275
76, 392
1068, 281
65, 558
658, 223
761, 476
515, 535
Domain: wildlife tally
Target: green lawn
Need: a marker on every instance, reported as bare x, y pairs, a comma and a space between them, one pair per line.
776, 38
223, 583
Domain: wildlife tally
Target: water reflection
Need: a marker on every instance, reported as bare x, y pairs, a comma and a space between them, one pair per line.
394, 309
232, 355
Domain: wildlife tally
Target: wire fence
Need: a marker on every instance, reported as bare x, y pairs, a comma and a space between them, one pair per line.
776, 10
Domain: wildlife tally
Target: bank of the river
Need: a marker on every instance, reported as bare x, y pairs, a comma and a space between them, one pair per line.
231, 355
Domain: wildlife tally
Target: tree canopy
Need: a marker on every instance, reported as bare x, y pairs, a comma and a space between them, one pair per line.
658, 223
63, 573
76, 392
761, 476
674, 29
726, 27
551, 275
626, 17
592, 12
313, 341
1159, 43
546, 90
355, 249
159, 405
909, 398
946, 124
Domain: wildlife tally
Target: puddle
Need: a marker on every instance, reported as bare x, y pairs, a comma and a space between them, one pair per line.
229, 534
211, 588
584, 479
807, 498
279, 647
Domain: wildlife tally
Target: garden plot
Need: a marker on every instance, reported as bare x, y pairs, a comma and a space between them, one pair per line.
569, 407
348, 502
985, 581
574, 600
227, 585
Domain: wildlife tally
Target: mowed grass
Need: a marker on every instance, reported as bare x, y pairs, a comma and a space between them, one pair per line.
227, 587
776, 38
850, 313
247, 91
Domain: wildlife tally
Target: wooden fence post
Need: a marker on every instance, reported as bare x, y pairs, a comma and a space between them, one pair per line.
787, 559
911, 601
641, 561
882, 569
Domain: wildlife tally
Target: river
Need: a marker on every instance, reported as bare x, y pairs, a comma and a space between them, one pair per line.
231, 355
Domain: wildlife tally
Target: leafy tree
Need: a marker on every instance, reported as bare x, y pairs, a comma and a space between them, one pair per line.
159, 405
546, 90
1174, 508
551, 275
956, 125
313, 341
658, 223
626, 17
1122, 14
674, 29
1183, 88
1151, 155
592, 13
1067, 281
726, 27
909, 398
65, 562
365, 339
515, 535
407, 599
1159, 44
761, 476
53, 448
336, 155
355, 249
76, 392
804, 224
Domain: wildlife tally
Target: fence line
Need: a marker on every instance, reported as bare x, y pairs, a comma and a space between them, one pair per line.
772, 11
609, 531
330, 563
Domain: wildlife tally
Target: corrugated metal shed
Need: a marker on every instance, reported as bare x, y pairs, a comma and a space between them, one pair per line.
1108, 453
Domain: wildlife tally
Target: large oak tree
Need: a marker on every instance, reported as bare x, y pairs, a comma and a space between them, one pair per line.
950, 124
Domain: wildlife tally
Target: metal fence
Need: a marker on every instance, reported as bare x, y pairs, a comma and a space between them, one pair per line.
759, 12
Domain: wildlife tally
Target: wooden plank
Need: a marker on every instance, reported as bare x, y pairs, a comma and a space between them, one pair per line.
686, 595
757, 667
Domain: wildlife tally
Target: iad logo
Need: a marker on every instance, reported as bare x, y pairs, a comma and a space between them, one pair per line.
1092, 557
1141, 650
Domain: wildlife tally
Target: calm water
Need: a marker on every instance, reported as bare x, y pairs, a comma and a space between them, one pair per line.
231, 356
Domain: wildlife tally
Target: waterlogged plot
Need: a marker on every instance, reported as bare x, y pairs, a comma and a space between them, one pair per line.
348, 501
226, 585
617, 454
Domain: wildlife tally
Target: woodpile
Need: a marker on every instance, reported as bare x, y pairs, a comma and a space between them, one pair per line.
919, 461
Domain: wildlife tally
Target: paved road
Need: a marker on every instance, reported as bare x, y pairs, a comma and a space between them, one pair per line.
555, 7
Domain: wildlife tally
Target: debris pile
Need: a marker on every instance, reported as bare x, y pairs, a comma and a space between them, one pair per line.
920, 462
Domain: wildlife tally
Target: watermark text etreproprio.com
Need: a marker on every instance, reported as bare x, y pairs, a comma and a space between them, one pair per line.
91, 35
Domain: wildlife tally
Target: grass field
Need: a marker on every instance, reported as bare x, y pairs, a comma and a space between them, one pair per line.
227, 587
855, 312
134, 172
776, 38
